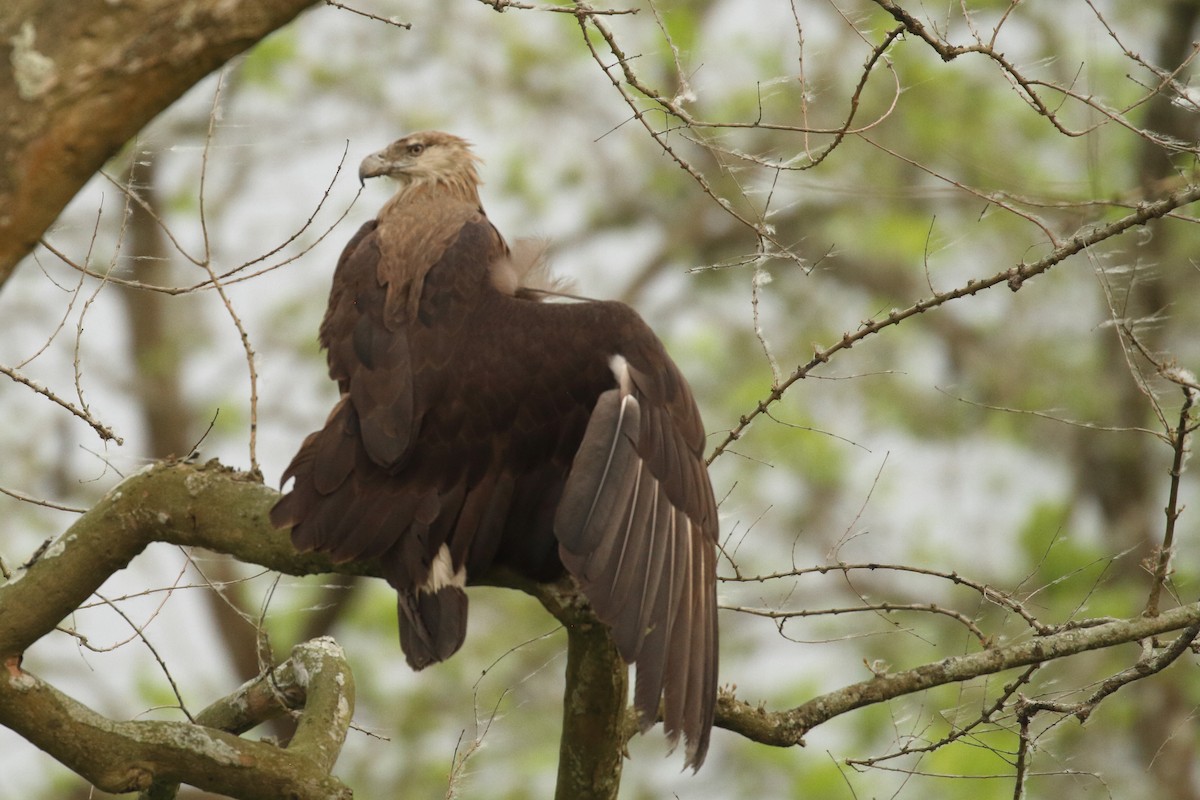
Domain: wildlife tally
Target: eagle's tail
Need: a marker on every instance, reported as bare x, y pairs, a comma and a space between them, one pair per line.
432, 624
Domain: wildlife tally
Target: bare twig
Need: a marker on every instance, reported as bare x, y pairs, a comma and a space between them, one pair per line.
1014, 278
37, 501
228, 277
241, 329
101, 429
500, 6
986, 592
1149, 664
781, 616
386, 20
1179, 437
984, 718
1030, 89
140, 632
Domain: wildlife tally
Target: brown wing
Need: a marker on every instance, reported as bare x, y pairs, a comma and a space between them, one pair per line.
371, 484
637, 527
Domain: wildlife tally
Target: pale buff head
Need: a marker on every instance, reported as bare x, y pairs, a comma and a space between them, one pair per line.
426, 159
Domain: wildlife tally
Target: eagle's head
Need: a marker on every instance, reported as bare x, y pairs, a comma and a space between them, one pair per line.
425, 158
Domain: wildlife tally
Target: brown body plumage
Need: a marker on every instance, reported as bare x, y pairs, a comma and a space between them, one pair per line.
480, 426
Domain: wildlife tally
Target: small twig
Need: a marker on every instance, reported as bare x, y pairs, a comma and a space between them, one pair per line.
385, 20
139, 632
101, 429
1147, 665
986, 592
1046, 415
133, 196
37, 501
1030, 88
1179, 438
76, 361
958, 732
62, 322
887, 608
1142, 669
241, 329
500, 6
1021, 768
1013, 277
760, 228
458, 762
761, 278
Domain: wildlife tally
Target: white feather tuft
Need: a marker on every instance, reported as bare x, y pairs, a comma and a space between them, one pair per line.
442, 573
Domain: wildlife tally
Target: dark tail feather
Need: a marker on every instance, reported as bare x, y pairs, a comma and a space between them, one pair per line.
432, 624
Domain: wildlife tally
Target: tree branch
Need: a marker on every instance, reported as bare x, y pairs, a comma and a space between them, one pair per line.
594, 720
224, 510
86, 82
154, 756
788, 728
1014, 277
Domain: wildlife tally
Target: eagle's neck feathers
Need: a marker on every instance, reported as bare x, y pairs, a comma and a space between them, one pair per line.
460, 185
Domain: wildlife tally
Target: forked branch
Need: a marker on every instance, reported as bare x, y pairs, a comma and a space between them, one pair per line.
154, 757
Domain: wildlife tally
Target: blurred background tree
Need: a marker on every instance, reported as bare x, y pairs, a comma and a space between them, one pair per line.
760, 181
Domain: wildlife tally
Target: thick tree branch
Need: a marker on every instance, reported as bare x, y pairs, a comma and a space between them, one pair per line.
224, 510
787, 728
154, 756
594, 729
87, 76
211, 506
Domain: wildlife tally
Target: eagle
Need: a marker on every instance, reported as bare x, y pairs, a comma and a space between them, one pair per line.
483, 422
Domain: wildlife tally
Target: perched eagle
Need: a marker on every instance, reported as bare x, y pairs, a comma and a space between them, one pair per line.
479, 425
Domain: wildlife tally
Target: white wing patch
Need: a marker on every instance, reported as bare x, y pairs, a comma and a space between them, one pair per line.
620, 371
442, 573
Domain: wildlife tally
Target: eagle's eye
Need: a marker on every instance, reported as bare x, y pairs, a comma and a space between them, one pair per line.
416, 148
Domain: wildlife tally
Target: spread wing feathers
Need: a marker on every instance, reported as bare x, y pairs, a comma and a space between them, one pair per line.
636, 526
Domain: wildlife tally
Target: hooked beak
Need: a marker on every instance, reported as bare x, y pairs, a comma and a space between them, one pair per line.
373, 166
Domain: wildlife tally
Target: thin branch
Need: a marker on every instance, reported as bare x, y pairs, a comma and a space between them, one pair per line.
386, 20
500, 6
1030, 88
1147, 665
37, 501
1179, 437
788, 728
781, 616
958, 732
760, 228
101, 429
1013, 277
241, 329
230, 276
988, 593
139, 631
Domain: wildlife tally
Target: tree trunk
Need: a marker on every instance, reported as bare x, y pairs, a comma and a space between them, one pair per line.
79, 79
